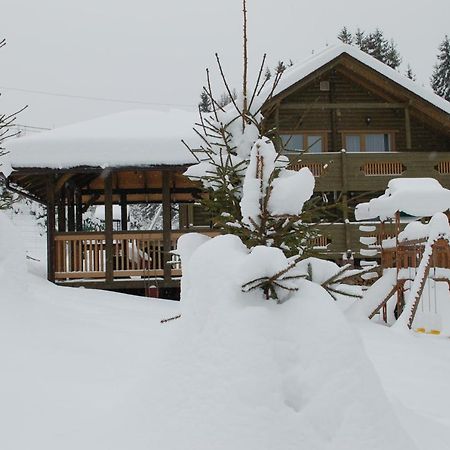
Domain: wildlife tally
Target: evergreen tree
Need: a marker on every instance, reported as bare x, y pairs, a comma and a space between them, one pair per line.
345, 36
375, 44
205, 102
410, 74
440, 80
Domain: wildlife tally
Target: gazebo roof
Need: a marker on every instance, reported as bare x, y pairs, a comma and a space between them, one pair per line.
136, 138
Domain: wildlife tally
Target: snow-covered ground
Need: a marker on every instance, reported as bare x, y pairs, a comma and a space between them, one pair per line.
96, 370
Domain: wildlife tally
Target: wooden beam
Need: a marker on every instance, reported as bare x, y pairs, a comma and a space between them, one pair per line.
79, 211
51, 248
61, 211
408, 129
109, 229
369, 105
167, 224
123, 212
70, 208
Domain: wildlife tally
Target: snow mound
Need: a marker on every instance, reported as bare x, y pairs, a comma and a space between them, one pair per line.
413, 196
97, 370
262, 375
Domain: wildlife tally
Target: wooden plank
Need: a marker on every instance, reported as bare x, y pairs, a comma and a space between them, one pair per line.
167, 224
109, 228
366, 105
51, 228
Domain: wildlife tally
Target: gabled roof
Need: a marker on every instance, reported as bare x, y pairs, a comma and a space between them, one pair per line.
133, 138
300, 71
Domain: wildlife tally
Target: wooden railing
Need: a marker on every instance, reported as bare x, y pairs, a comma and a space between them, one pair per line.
81, 255
342, 171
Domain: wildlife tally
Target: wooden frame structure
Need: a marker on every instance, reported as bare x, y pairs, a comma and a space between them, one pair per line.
405, 257
108, 259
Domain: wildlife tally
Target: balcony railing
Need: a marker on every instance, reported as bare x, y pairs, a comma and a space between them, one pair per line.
344, 171
81, 255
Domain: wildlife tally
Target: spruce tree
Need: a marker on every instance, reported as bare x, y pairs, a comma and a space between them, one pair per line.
440, 80
410, 74
205, 102
345, 36
374, 44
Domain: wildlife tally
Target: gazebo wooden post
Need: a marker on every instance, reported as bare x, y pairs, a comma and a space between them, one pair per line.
123, 212
51, 248
167, 225
109, 229
70, 208
79, 210
61, 211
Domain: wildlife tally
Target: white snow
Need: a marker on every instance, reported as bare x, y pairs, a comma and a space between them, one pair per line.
97, 370
413, 196
130, 138
301, 70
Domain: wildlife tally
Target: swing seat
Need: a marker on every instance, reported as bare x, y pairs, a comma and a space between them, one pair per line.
420, 330
434, 332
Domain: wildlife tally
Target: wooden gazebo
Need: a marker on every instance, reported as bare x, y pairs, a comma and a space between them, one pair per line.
122, 159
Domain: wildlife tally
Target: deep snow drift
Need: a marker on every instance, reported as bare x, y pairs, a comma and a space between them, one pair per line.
97, 370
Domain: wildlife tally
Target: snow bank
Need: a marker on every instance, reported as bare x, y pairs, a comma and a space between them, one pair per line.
97, 370
413, 196
129, 138
257, 375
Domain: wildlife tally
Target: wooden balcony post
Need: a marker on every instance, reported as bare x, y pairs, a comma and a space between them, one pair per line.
167, 224
51, 248
109, 250
345, 198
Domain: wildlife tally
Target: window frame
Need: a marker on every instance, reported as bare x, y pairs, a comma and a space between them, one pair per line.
362, 141
305, 134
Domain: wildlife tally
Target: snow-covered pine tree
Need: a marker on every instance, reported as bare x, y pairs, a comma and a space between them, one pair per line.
410, 74
205, 103
440, 80
345, 36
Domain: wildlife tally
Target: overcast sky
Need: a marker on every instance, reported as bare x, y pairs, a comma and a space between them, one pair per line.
156, 51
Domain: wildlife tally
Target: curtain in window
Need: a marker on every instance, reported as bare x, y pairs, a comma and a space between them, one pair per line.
377, 142
314, 144
292, 143
352, 143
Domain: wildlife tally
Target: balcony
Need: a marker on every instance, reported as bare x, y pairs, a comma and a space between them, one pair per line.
368, 172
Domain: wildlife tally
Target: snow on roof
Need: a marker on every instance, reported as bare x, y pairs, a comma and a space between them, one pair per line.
301, 70
420, 197
130, 138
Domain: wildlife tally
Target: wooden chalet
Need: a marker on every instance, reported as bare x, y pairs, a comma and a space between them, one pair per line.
341, 98
389, 126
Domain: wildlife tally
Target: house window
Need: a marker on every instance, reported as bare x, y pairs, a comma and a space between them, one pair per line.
368, 142
304, 142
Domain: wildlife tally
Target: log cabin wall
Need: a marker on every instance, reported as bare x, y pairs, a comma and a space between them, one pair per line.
344, 89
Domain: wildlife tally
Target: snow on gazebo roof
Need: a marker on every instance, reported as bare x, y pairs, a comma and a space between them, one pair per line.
419, 197
127, 139
301, 70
